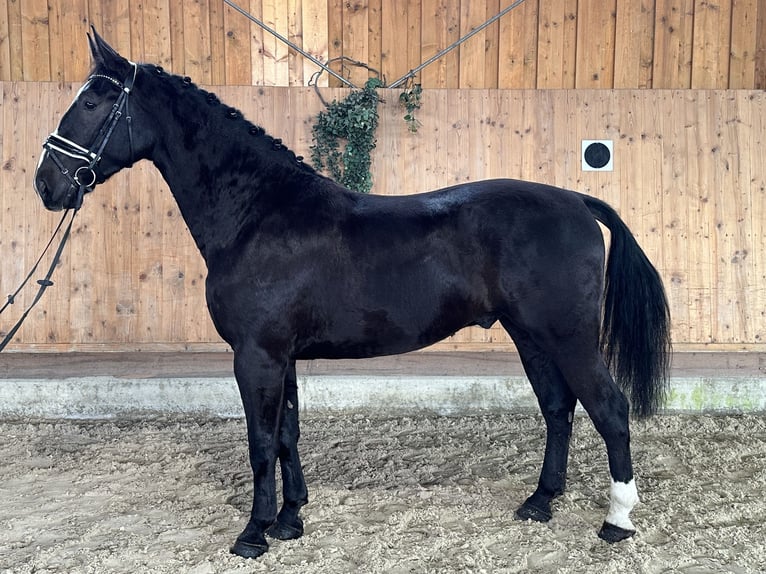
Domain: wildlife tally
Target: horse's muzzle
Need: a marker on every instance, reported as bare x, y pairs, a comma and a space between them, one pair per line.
42, 190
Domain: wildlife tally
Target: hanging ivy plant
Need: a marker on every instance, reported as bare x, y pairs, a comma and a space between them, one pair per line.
409, 99
344, 137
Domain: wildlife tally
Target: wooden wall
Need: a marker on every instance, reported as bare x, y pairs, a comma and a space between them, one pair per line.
675, 44
689, 179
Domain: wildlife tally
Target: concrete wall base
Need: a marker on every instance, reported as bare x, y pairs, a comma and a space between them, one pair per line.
105, 397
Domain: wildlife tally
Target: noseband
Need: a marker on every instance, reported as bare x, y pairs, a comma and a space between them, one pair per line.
85, 176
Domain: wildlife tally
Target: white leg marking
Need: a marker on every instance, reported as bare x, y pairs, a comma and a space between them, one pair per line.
624, 497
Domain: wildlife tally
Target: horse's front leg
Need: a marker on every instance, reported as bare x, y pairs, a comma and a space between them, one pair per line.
260, 380
294, 492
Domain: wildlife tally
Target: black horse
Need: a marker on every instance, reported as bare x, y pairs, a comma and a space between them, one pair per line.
301, 268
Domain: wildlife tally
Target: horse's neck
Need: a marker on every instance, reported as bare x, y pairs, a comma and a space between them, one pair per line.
215, 186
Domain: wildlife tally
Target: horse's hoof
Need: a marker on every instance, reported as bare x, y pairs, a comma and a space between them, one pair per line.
528, 511
612, 533
248, 549
282, 531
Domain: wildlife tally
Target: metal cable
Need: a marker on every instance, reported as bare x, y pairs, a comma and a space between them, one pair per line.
451, 47
292, 45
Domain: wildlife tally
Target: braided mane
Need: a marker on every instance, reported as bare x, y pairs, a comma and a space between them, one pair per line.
184, 87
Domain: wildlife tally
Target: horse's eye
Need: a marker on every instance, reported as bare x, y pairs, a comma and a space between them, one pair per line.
90, 106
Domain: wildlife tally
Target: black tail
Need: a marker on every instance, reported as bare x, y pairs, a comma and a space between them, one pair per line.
635, 333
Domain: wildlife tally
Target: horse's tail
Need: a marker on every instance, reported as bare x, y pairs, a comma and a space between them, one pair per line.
635, 332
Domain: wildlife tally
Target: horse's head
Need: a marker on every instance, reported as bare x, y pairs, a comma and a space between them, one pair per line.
96, 136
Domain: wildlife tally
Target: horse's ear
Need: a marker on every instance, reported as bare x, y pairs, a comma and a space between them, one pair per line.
102, 53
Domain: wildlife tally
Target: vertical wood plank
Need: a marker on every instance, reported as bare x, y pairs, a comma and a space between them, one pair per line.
257, 47
391, 145
471, 52
177, 50
673, 37
95, 16
557, 41
295, 35
217, 33
744, 19
137, 32
275, 52
14, 41
400, 39
375, 29
500, 156
147, 271
440, 29
414, 35
237, 48
157, 43
70, 57
733, 230
335, 25
115, 25
752, 107
675, 196
595, 43
355, 36
35, 40
518, 46
492, 44
634, 44
197, 46
5, 43
760, 47
394, 36
701, 214
712, 36
648, 175
315, 38
13, 241
48, 107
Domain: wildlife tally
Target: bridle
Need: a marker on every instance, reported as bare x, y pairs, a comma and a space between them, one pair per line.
86, 176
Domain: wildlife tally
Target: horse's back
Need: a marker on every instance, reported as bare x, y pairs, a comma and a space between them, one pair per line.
514, 215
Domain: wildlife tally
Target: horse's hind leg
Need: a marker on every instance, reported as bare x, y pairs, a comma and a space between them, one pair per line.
294, 492
557, 405
588, 377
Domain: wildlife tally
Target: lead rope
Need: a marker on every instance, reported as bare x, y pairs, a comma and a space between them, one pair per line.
45, 282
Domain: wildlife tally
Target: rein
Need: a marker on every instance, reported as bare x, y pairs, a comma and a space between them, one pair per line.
85, 176
45, 282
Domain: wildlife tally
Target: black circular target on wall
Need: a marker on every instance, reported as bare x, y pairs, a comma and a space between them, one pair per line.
597, 155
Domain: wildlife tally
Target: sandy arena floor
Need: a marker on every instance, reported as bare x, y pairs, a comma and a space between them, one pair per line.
391, 495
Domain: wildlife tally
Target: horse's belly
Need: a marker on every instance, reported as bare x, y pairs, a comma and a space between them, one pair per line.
376, 333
